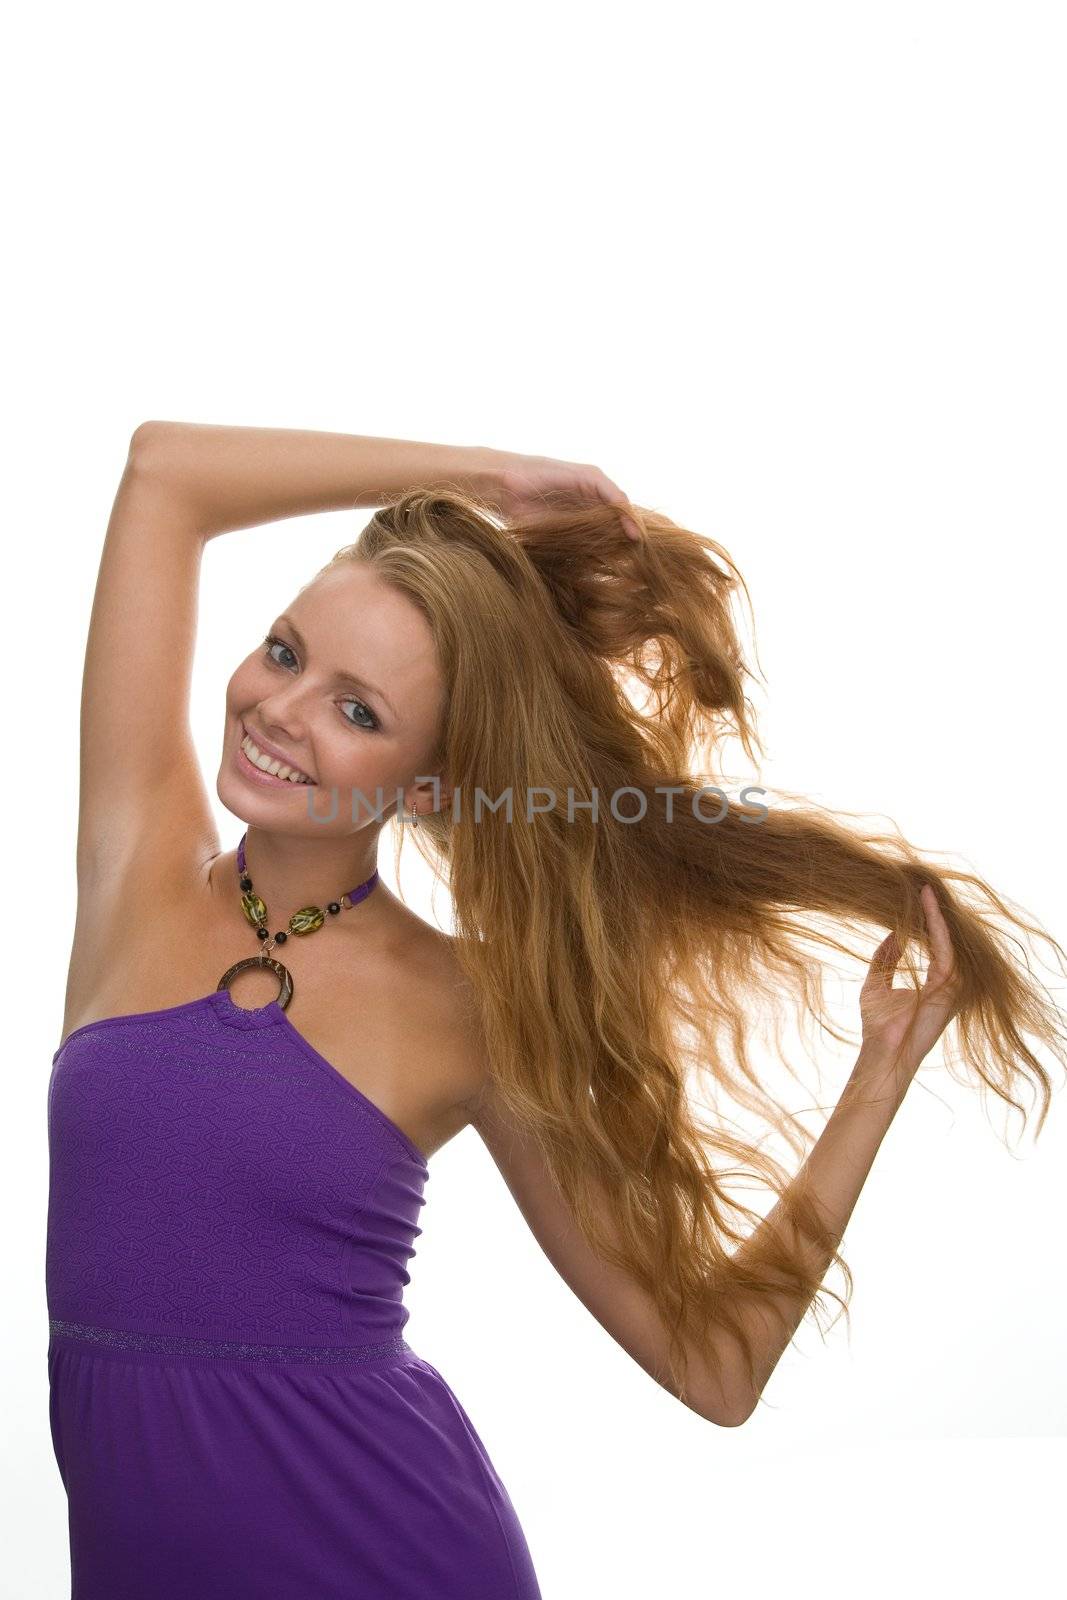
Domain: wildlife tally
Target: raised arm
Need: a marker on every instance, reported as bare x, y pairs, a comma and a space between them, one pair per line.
142, 795
183, 484
838, 1166
231, 477
832, 1176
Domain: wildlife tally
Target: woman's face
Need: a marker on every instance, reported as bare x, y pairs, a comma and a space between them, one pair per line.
349, 692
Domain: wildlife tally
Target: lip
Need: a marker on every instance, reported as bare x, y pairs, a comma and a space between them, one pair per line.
255, 774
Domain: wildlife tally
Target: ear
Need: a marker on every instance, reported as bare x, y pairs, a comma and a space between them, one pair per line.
435, 794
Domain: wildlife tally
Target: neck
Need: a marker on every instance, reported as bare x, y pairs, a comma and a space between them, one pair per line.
289, 872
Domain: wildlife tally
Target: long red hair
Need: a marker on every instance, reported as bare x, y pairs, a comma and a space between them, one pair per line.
620, 963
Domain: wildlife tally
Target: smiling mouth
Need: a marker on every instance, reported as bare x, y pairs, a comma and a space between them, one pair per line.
268, 766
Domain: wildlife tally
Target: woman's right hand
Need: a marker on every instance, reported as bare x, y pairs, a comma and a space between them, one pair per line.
521, 483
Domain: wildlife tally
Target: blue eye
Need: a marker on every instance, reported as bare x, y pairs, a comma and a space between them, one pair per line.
370, 726
273, 643
270, 642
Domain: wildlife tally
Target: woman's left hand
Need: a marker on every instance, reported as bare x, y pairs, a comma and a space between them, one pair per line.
887, 1012
520, 485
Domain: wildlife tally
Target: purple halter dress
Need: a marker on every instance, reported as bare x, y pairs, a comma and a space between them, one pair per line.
235, 1412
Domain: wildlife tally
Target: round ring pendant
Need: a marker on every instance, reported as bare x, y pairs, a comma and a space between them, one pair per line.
252, 963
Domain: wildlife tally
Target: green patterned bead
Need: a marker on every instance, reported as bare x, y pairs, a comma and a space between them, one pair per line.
253, 908
306, 920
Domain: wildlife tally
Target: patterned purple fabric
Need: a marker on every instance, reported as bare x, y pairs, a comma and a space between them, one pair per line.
235, 1411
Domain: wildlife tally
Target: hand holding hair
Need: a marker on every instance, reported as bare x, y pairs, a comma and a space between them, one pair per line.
529, 483
901, 1026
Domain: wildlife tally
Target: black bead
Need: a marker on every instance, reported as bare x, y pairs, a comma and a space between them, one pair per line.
246, 882
333, 908
280, 938
261, 933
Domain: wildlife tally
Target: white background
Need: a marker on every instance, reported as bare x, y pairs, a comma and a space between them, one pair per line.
792, 274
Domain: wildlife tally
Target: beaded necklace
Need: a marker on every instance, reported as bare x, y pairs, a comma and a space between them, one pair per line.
307, 920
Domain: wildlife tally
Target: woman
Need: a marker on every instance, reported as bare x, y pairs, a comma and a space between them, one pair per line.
263, 1048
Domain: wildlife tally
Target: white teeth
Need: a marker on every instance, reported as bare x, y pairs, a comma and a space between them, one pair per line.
265, 763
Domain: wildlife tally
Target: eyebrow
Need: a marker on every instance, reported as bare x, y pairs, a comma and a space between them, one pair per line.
342, 677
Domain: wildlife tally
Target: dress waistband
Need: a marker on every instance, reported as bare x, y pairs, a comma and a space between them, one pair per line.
118, 1340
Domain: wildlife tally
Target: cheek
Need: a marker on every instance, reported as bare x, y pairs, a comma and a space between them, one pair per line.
244, 687
348, 757
364, 761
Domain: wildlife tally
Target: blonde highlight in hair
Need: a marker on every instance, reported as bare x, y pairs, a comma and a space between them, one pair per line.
618, 963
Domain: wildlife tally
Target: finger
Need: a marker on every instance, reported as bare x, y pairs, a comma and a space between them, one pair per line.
609, 490
882, 966
612, 495
943, 961
630, 527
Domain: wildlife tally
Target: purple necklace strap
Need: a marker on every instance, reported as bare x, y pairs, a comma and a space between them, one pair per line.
353, 896
362, 890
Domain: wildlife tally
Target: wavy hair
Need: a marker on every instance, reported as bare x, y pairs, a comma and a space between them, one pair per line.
623, 960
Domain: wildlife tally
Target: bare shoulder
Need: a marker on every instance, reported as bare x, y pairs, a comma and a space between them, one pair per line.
446, 1011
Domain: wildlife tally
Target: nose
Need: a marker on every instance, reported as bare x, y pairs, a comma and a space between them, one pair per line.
283, 715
